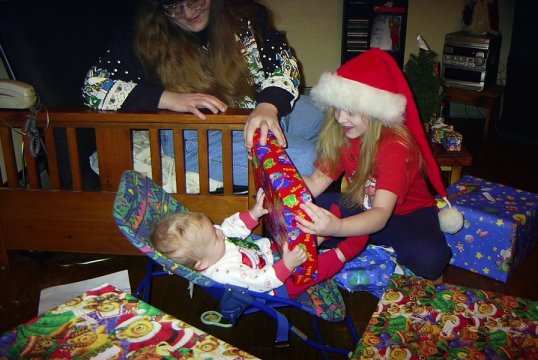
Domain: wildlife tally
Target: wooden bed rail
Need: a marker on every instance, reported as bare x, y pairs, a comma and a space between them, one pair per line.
51, 216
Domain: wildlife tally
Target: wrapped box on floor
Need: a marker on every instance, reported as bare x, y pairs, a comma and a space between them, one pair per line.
500, 226
416, 319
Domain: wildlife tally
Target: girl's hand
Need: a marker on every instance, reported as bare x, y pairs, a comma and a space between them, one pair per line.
323, 222
258, 210
191, 103
293, 258
265, 118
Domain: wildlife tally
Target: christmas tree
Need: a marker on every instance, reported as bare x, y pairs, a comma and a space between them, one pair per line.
424, 82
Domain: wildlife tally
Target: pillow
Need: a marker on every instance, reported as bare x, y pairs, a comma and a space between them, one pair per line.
284, 190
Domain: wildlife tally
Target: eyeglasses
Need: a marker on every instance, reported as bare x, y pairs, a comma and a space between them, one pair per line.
178, 8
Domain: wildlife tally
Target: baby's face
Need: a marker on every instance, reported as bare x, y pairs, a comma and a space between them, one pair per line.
212, 249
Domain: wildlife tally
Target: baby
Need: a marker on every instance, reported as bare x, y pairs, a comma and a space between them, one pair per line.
220, 253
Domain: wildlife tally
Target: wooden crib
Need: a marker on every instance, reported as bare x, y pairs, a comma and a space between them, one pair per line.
52, 218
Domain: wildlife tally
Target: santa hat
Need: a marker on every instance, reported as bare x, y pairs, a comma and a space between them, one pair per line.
373, 84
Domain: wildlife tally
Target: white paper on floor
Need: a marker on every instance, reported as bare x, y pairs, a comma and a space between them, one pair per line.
56, 295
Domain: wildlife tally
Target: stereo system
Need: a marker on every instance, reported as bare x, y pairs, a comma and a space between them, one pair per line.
470, 60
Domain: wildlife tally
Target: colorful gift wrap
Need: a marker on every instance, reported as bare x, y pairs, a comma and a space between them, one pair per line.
452, 141
106, 323
370, 271
416, 319
284, 190
500, 226
439, 131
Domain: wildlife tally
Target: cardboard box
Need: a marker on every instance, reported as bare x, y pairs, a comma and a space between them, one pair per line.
500, 226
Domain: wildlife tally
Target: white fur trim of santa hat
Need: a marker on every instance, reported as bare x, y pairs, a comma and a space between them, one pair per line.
357, 97
450, 219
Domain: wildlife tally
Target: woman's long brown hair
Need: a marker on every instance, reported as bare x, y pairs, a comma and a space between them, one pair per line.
177, 58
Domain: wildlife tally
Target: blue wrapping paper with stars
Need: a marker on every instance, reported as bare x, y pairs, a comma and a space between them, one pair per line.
500, 226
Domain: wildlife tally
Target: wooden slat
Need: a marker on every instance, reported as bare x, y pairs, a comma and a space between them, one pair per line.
227, 161
179, 150
4, 260
217, 207
31, 164
162, 119
251, 186
115, 155
72, 143
9, 156
203, 161
52, 160
55, 221
61, 221
84, 118
251, 196
155, 147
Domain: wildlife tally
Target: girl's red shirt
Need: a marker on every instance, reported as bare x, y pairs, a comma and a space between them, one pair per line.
397, 169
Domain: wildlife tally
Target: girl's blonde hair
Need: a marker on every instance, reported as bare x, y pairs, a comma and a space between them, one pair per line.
180, 236
177, 59
332, 141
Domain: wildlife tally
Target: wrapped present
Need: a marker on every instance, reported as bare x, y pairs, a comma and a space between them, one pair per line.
452, 140
416, 319
500, 226
284, 190
438, 130
438, 133
107, 323
370, 271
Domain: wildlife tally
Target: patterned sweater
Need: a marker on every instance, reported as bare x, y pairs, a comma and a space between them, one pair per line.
118, 80
245, 263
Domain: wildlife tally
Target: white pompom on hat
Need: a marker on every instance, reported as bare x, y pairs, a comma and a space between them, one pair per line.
373, 84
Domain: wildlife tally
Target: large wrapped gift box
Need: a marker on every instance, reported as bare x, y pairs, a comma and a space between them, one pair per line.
106, 323
500, 226
285, 191
416, 319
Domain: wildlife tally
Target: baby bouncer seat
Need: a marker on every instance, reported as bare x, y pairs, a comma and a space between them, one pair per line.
140, 203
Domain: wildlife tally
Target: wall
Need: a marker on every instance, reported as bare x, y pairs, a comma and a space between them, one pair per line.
432, 19
314, 29
424, 18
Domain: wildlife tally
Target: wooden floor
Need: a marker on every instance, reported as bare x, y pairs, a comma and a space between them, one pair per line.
498, 161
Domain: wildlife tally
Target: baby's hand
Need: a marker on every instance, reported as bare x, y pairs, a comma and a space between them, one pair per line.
258, 210
295, 257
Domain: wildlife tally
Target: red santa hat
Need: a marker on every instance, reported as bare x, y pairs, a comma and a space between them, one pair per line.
373, 84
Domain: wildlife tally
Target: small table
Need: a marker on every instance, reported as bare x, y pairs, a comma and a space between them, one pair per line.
107, 323
417, 319
489, 98
452, 161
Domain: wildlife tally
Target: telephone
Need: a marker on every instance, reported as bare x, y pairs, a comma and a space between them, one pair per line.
16, 95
